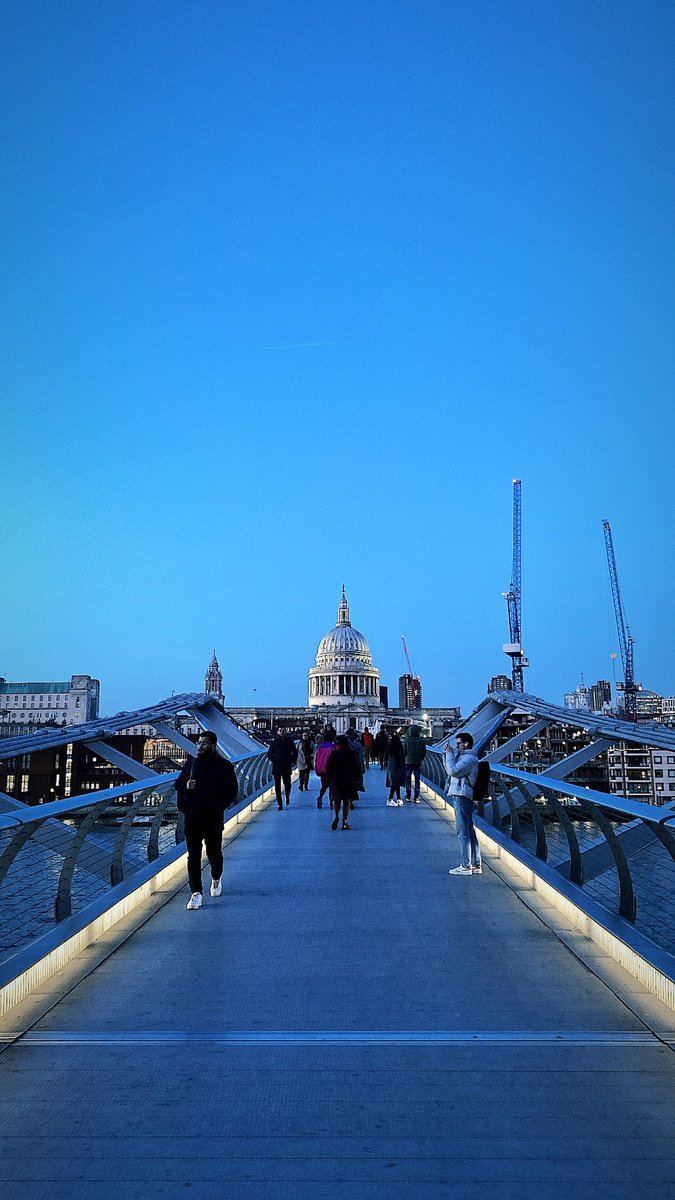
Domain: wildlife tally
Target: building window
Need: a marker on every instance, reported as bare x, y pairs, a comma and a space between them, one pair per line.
10, 783
24, 783
657, 758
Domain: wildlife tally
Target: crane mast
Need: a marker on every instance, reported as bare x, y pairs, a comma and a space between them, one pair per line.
513, 598
626, 641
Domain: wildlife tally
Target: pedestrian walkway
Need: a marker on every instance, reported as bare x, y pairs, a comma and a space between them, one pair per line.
348, 1021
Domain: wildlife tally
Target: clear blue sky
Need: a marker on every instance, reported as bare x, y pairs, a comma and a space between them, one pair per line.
291, 292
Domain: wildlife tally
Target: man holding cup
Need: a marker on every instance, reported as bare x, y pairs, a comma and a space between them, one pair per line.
206, 786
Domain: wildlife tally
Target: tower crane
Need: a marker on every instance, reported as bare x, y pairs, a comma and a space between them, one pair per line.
416, 681
513, 598
626, 641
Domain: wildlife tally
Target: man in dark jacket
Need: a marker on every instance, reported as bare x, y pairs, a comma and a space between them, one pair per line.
206, 786
381, 743
415, 753
283, 756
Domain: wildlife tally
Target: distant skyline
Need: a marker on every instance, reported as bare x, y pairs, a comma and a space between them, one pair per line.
291, 295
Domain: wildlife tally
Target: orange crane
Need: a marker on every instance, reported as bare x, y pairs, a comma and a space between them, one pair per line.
416, 681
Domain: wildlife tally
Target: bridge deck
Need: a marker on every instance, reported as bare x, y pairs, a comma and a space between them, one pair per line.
347, 1020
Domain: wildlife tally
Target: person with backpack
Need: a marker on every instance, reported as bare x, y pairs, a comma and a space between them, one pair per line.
462, 769
323, 752
415, 752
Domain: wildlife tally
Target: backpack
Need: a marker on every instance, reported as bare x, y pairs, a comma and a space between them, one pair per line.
323, 753
482, 783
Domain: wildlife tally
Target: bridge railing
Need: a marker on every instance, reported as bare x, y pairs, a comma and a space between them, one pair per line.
58, 858
529, 808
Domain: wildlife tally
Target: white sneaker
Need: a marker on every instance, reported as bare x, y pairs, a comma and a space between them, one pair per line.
399, 803
216, 887
392, 803
460, 871
477, 870
195, 900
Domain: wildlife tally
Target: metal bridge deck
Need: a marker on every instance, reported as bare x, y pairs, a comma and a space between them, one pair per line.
346, 1021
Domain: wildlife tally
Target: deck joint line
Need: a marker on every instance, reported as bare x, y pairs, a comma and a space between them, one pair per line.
364, 1037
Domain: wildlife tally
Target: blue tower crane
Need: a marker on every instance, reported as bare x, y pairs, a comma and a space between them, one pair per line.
513, 597
626, 641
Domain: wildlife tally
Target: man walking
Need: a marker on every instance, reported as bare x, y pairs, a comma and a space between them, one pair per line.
415, 752
283, 756
206, 786
462, 768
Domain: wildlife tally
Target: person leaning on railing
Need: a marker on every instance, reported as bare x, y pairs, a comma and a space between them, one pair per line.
462, 769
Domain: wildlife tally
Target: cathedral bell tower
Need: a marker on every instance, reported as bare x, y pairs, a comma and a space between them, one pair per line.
213, 683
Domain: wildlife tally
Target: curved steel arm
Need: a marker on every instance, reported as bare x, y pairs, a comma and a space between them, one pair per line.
627, 904
63, 904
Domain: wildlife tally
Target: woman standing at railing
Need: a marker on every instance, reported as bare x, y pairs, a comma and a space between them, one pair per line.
394, 761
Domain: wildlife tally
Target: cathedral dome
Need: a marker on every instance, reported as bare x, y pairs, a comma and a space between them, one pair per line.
344, 671
343, 640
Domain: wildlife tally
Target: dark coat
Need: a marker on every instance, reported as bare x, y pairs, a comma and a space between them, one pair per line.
283, 754
215, 789
381, 742
394, 761
415, 747
344, 774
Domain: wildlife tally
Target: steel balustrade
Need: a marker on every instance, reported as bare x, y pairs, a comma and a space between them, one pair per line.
522, 794
83, 846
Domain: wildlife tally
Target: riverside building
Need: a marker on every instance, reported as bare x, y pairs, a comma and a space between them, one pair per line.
27, 706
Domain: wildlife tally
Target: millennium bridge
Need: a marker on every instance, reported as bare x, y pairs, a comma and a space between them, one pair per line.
346, 1020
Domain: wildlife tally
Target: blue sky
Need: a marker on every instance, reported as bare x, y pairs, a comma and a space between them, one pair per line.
291, 293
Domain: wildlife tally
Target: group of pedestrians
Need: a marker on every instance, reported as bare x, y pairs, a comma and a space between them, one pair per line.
207, 786
402, 760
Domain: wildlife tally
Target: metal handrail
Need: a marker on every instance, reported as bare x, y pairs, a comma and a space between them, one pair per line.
520, 792
86, 839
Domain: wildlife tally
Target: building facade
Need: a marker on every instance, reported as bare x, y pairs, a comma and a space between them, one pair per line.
500, 683
642, 773
26, 706
594, 698
410, 692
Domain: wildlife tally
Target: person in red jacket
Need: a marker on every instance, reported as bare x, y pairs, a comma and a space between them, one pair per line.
368, 744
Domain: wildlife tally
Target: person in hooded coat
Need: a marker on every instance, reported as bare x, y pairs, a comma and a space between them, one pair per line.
395, 765
345, 777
